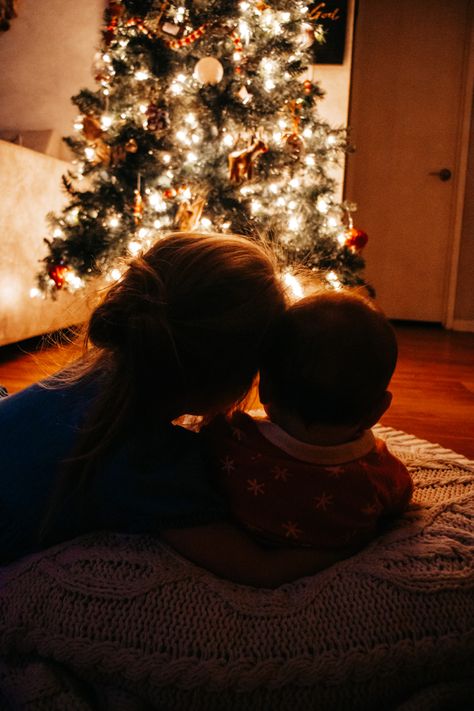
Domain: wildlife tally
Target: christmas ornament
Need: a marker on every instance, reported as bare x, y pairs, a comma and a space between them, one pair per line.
188, 39
138, 206
103, 153
113, 155
293, 144
91, 128
189, 214
244, 95
131, 146
58, 274
241, 162
157, 119
208, 71
167, 27
357, 239
169, 193
292, 140
308, 37
307, 86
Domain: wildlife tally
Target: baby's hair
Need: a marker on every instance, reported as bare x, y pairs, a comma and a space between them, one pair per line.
330, 357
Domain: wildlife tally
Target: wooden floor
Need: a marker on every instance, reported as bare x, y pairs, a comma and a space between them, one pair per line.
433, 385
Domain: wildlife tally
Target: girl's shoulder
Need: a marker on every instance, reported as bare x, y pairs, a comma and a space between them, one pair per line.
48, 400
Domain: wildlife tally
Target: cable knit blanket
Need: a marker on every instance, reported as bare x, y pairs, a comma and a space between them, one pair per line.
114, 622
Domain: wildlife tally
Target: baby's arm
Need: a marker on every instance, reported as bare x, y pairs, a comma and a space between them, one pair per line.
228, 552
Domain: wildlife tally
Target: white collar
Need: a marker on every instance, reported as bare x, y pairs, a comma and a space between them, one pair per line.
315, 453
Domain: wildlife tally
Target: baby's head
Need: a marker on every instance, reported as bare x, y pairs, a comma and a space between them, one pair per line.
329, 360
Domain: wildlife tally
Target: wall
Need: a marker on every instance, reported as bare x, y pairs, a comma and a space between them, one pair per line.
45, 58
335, 80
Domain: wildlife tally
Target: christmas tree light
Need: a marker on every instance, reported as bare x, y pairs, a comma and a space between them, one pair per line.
203, 120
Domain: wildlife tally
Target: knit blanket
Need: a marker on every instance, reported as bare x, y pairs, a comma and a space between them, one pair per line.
122, 622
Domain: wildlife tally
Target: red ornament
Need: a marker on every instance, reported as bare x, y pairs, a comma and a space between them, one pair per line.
356, 239
58, 274
307, 86
138, 207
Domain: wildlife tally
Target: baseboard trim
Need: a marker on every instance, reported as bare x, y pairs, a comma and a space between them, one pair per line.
461, 325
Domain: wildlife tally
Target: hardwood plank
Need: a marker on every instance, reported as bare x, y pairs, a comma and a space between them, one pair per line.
432, 396
433, 385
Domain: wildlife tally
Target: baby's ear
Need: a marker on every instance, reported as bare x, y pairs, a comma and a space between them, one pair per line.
380, 407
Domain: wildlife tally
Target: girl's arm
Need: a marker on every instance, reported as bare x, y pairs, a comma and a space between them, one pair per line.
229, 553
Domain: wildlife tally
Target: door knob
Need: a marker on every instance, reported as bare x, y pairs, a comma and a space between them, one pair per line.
443, 174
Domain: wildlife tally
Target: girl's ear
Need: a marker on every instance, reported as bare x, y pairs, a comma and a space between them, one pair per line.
380, 407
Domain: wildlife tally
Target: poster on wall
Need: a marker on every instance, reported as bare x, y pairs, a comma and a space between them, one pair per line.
7, 13
332, 17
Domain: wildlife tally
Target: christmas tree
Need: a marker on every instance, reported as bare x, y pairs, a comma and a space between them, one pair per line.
202, 120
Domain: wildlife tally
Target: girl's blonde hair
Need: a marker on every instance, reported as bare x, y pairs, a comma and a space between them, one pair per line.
181, 332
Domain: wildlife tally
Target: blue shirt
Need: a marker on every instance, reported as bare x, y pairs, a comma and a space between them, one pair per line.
144, 485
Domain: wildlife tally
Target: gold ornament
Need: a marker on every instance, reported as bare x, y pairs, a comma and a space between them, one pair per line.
131, 146
292, 140
103, 153
189, 213
138, 207
113, 155
241, 162
91, 128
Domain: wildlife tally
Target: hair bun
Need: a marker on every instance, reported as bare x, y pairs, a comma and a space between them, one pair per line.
106, 329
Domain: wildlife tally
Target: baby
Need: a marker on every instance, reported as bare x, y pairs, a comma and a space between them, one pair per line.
312, 473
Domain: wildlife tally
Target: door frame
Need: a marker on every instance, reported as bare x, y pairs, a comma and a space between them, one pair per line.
462, 155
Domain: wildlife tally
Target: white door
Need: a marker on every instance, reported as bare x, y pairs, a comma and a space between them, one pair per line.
408, 86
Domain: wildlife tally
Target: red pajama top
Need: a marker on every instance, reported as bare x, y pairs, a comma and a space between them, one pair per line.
288, 491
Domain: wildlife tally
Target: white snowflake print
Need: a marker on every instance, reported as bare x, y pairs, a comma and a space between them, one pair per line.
255, 487
280, 473
292, 530
228, 465
323, 502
